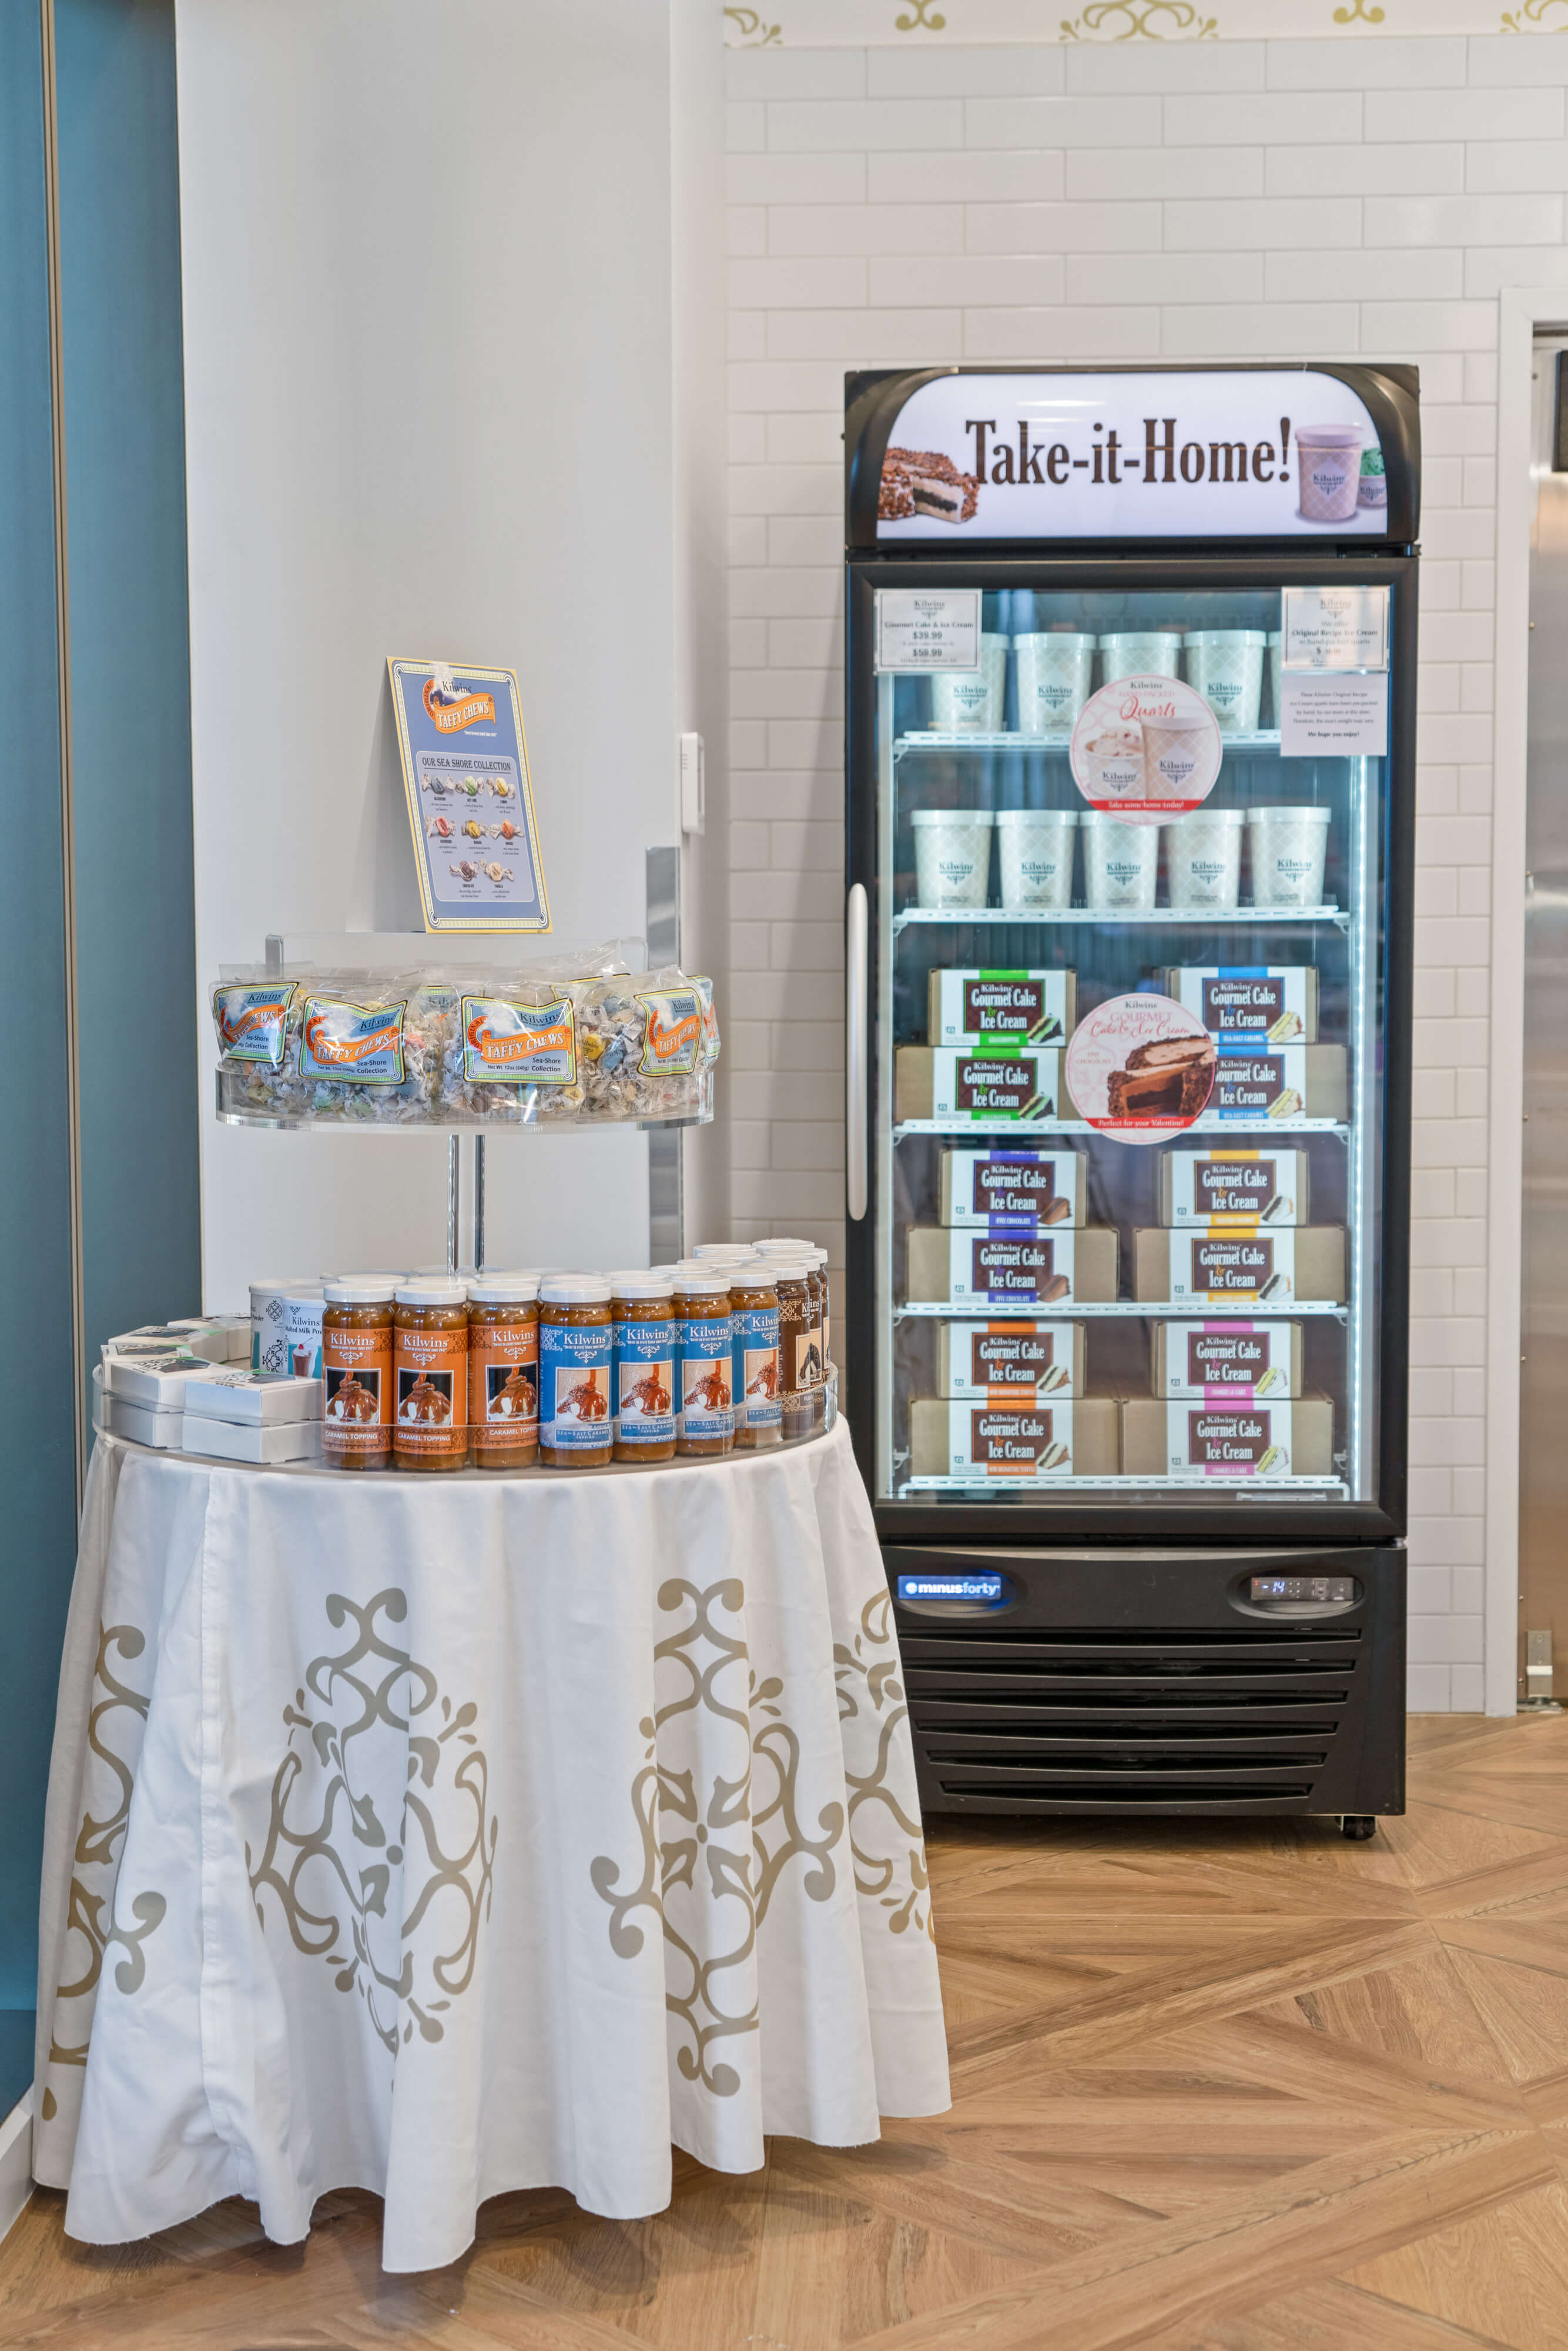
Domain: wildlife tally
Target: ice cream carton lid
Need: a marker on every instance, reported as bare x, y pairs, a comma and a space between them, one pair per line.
1224, 637
952, 816
1037, 816
1332, 436
1298, 815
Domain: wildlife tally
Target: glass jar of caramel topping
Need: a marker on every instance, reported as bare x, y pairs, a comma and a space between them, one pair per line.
646, 1362
797, 1342
357, 1368
577, 1428
504, 1369
754, 1325
430, 1375
707, 1397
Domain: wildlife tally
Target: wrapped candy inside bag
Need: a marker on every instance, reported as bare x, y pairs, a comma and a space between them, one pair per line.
580, 1039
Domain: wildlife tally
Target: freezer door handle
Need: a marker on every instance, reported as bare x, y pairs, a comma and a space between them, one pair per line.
857, 935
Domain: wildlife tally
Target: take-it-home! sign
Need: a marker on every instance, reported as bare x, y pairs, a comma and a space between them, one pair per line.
1174, 453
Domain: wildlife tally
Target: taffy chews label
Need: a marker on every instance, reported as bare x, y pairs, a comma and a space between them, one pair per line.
707, 1372
1228, 1440
1246, 1265
510, 1044
704, 986
356, 1044
754, 1360
575, 1368
1219, 1363
675, 1031
645, 1361
253, 1022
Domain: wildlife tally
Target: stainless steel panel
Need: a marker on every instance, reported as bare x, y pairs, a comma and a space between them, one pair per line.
1544, 1373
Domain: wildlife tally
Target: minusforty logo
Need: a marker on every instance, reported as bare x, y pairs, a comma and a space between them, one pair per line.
450, 706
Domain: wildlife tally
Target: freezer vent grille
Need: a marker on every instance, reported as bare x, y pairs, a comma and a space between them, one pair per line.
1101, 1718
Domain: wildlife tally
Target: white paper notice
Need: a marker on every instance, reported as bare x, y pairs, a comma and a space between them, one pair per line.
1336, 628
1333, 717
918, 630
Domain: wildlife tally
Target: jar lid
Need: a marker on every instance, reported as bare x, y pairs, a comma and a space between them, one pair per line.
756, 1273
702, 1281
714, 1250
503, 1289
642, 1282
791, 1242
1224, 637
1037, 816
361, 1289
574, 1289
433, 1293
951, 816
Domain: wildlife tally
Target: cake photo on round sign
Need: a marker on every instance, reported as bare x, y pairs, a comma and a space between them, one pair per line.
1147, 749
1140, 1068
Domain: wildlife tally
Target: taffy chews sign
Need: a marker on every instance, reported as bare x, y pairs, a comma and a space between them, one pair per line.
1180, 454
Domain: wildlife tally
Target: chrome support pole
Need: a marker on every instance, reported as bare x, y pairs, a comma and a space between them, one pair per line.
478, 1204
453, 1173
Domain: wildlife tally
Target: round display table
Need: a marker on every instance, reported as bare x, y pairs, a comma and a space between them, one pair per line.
443, 1836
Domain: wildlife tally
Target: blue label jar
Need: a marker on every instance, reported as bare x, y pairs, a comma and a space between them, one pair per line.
706, 1399
758, 1408
576, 1360
645, 1365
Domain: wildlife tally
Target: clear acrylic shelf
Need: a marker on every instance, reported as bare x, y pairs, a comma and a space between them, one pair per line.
1262, 738
1160, 917
439, 1122
1172, 1490
1071, 1311
1205, 1122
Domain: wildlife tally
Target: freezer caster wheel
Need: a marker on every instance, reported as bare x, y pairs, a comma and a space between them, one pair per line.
1357, 1825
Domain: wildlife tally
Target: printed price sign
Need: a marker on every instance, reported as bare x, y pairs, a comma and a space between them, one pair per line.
470, 798
917, 629
1336, 628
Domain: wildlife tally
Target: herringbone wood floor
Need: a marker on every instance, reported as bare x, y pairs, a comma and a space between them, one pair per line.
1225, 2089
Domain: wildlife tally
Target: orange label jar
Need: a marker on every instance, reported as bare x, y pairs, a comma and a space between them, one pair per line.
430, 1375
357, 1366
576, 1361
646, 1359
504, 1369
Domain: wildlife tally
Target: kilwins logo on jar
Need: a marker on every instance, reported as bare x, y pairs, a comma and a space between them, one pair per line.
357, 1043
510, 1044
450, 706
675, 1031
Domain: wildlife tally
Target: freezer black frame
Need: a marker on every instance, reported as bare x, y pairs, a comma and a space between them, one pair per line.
1171, 567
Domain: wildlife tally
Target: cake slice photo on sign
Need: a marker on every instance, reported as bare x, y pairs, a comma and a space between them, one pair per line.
924, 482
1140, 1067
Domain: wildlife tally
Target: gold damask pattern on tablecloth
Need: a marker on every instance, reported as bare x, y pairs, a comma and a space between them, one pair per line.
870, 1692
326, 1842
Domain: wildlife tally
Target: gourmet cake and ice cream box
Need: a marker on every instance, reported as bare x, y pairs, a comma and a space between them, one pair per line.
1035, 1007
1165, 1439
955, 1266
1223, 1363
1002, 1362
1254, 1004
1011, 1191
953, 1439
1278, 1084
1231, 1189
991, 1080
1277, 1268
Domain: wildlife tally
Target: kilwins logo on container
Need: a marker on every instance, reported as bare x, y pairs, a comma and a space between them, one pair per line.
450, 706
1140, 1068
1264, 453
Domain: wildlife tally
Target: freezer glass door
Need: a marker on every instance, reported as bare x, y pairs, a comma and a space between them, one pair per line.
1129, 930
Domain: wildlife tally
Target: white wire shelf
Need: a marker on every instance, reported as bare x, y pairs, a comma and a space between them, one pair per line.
931, 738
1160, 918
1206, 1489
1069, 1309
1206, 1122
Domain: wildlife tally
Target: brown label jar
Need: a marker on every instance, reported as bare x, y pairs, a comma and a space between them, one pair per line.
706, 1399
357, 1370
430, 1375
754, 1323
577, 1354
647, 1362
797, 1342
504, 1369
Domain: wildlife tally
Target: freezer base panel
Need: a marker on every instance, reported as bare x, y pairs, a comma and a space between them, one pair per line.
1153, 1680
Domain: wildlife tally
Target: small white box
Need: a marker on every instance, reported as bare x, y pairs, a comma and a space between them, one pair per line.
232, 1440
157, 1381
253, 1399
202, 1334
144, 1424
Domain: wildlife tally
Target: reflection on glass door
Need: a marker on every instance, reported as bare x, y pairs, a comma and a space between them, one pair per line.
1130, 1089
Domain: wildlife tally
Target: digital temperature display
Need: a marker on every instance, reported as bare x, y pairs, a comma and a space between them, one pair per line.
1301, 1591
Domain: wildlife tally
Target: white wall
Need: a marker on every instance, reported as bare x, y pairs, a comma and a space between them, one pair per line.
1302, 198
427, 301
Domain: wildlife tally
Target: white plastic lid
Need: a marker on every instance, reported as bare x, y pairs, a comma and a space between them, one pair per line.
792, 1269
642, 1282
1202, 816
1276, 636
1332, 436
1142, 636
502, 1289
753, 1273
574, 1289
1305, 815
1055, 637
703, 1280
361, 1289
1224, 637
716, 1250
791, 1242
952, 816
1037, 816
433, 1293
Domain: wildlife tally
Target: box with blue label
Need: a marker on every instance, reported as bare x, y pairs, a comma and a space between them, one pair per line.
957, 1266
1260, 1004
1011, 1191
1256, 1085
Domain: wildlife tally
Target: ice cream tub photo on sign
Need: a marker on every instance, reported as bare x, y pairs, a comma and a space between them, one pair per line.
1140, 1068
1145, 750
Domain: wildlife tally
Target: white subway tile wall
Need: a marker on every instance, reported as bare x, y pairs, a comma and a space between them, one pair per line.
895, 206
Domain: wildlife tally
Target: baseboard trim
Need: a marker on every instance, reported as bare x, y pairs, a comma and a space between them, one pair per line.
16, 2162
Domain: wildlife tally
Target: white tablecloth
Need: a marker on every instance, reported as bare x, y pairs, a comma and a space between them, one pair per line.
580, 1811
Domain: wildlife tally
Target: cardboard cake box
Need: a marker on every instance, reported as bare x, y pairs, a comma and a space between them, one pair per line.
1231, 1188
1266, 1005
1016, 1190
992, 1081
984, 1441
1277, 1083
1161, 1439
1210, 1361
959, 1267
1035, 1006
1275, 1268
992, 1362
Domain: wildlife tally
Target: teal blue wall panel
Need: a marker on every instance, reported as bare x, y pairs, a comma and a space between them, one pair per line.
130, 699
37, 1444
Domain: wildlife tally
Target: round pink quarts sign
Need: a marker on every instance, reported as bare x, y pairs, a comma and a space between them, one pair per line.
1140, 1068
1145, 750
